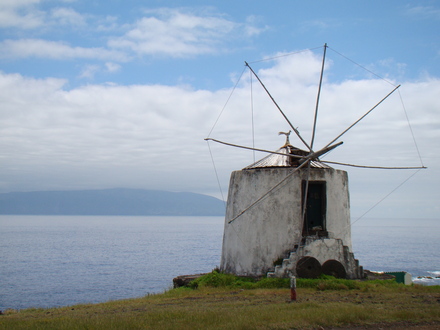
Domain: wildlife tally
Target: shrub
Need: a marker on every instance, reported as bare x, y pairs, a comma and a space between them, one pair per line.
217, 279
324, 282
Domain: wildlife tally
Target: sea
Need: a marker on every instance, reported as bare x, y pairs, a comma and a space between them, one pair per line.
53, 261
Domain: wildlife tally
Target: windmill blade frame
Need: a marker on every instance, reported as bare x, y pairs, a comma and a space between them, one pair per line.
311, 155
278, 107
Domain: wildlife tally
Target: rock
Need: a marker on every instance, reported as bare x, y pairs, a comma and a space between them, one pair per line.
185, 280
369, 275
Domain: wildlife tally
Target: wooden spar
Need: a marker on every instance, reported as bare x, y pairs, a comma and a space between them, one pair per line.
315, 119
311, 156
255, 149
269, 191
318, 154
306, 191
306, 161
278, 107
357, 121
377, 167
317, 98
321, 152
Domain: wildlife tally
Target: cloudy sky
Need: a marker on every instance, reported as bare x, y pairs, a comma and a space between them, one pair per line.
104, 94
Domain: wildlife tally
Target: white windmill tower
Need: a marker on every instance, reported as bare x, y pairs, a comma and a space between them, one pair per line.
289, 213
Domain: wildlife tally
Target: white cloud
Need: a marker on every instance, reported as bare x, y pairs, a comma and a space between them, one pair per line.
423, 12
17, 3
112, 67
27, 15
253, 26
39, 48
177, 33
151, 136
67, 16
137, 128
89, 71
165, 31
20, 14
108, 23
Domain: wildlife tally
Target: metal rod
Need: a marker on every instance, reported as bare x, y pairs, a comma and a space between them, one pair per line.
357, 121
276, 104
304, 206
292, 288
255, 149
268, 192
319, 153
317, 98
377, 167
312, 156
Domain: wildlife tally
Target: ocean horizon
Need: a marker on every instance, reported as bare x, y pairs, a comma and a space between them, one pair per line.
51, 261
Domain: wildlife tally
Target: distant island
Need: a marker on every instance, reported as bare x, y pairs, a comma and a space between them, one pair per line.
116, 201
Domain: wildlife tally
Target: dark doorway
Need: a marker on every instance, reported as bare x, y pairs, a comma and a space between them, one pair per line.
314, 217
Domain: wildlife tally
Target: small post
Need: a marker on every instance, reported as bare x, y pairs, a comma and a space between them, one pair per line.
292, 288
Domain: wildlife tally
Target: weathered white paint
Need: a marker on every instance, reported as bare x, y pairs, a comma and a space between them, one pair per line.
272, 228
322, 249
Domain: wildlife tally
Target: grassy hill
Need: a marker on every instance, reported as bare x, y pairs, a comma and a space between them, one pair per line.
323, 304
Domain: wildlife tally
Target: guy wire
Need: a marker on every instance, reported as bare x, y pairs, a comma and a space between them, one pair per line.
284, 55
410, 128
252, 116
216, 174
227, 101
375, 74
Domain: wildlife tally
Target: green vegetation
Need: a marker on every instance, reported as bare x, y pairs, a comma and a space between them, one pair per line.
217, 279
222, 301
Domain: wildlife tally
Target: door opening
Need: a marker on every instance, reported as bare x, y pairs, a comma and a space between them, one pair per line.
316, 208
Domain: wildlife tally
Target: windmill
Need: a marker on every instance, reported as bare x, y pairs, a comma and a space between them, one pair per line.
288, 213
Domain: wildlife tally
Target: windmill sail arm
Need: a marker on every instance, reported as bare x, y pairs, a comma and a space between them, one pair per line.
255, 149
278, 107
268, 192
377, 167
317, 97
321, 152
306, 161
357, 121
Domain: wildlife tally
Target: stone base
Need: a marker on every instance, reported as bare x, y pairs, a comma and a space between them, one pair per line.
320, 256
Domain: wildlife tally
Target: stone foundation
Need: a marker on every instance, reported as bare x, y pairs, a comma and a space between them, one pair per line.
319, 256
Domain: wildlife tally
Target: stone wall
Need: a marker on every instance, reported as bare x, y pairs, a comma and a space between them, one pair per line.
272, 228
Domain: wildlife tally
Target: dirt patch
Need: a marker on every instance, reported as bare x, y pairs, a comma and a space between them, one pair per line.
392, 326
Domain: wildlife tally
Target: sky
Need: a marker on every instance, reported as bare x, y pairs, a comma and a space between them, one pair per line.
107, 94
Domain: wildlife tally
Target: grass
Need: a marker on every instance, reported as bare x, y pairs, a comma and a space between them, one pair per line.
223, 301
217, 279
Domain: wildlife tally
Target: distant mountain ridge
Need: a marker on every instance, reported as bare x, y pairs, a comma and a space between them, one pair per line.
118, 201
